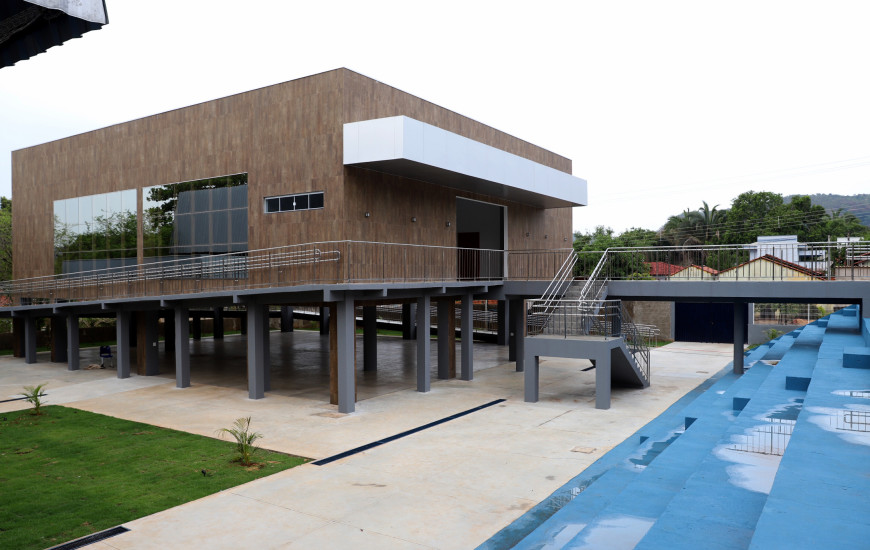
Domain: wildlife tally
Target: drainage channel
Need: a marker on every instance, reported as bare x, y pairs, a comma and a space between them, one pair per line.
367, 446
90, 539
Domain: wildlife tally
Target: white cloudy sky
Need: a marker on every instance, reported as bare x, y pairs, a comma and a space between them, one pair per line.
660, 104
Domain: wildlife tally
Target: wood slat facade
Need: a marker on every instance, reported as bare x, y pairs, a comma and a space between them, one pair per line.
288, 139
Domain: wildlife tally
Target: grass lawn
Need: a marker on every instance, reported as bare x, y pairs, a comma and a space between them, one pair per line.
68, 473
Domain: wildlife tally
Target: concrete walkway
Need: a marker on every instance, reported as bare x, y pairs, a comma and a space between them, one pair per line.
450, 486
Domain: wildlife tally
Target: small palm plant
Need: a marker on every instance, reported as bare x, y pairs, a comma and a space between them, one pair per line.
245, 438
33, 394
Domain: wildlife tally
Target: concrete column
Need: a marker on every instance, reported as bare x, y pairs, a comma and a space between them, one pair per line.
286, 318
518, 333
423, 344
196, 326
345, 328
602, 381
741, 317
503, 313
150, 342
72, 342
243, 324
531, 379
256, 374
181, 325
409, 328
122, 334
324, 320
370, 338
169, 332
446, 338
267, 351
218, 323
30, 340
467, 347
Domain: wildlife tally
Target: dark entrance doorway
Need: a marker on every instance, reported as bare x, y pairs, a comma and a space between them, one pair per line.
704, 322
480, 236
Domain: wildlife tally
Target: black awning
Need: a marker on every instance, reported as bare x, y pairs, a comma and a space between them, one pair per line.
27, 29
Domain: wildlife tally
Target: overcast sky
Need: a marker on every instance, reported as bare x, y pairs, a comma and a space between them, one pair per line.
660, 105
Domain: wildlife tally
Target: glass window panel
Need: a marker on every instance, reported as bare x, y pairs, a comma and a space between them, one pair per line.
184, 205
201, 200
301, 202
86, 211
60, 212
201, 229
183, 234
72, 213
239, 196
272, 205
315, 200
128, 200
239, 225
220, 227
114, 202
220, 198
99, 204
286, 204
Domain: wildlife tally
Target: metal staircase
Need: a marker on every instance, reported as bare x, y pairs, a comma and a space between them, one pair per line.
571, 310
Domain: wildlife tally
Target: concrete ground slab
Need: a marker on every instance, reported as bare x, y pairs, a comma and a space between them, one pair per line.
449, 486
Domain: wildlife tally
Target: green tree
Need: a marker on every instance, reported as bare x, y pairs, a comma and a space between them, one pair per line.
5, 239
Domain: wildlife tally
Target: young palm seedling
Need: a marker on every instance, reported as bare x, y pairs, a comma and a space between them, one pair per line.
245, 438
33, 394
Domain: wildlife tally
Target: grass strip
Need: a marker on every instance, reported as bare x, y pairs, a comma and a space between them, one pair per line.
68, 473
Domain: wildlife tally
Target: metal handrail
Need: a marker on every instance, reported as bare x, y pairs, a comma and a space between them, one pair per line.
556, 290
608, 318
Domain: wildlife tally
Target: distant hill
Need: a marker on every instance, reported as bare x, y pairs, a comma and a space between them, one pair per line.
856, 204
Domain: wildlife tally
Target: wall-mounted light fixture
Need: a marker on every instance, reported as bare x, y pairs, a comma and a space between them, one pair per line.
414, 219
449, 224
368, 214
565, 239
546, 236
527, 233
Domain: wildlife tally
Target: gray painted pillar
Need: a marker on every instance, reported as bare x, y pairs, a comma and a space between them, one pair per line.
424, 343
602, 381
122, 334
286, 318
345, 326
503, 313
218, 323
409, 328
196, 326
256, 375
370, 338
30, 340
72, 342
444, 338
324, 320
741, 317
518, 332
267, 351
152, 367
58, 339
467, 347
181, 327
531, 379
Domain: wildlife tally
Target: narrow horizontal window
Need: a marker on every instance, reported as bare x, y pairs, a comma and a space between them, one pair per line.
289, 203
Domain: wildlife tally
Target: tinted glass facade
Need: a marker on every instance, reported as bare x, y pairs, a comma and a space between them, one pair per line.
95, 232
195, 218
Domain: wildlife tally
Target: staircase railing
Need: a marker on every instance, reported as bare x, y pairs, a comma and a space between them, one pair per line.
541, 309
607, 318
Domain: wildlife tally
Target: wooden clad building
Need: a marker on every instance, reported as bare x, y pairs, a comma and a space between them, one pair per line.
287, 140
